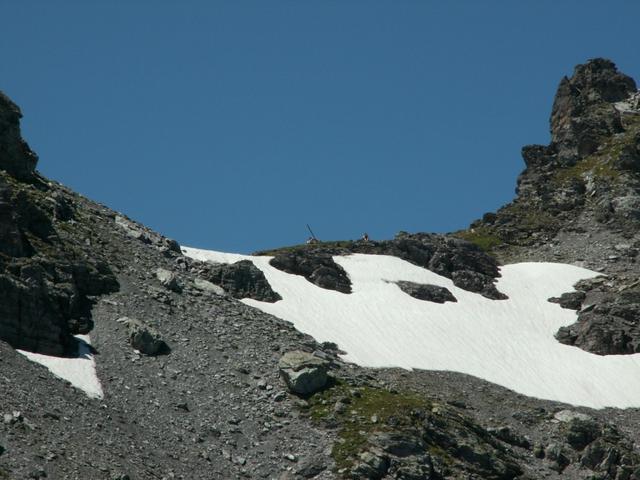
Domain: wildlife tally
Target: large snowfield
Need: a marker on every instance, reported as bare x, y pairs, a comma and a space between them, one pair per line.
507, 342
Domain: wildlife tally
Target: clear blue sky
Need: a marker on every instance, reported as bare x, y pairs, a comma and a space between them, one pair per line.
230, 125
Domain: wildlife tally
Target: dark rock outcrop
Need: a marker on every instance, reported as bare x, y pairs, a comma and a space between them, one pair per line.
592, 446
45, 282
315, 265
463, 262
44, 302
428, 293
240, 280
609, 318
507, 435
570, 300
16, 158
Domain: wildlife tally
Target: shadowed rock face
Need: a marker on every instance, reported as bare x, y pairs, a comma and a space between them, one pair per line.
241, 280
608, 316
44, 282
16, 158
44, 302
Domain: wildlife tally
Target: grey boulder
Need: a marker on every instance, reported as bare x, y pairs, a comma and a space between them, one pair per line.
303, 372
207, 286
168, 280
144, 338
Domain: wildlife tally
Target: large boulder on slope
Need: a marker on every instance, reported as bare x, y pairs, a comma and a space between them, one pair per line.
303, 372
168, 280
143, 337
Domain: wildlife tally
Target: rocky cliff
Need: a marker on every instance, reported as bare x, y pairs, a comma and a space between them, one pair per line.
46, 275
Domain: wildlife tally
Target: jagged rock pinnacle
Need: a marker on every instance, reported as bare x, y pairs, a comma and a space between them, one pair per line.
587, 179
15, 155
583, 109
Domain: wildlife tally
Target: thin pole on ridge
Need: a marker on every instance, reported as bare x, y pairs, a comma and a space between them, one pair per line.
311, 232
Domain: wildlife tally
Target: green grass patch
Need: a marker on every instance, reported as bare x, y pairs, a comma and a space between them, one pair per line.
482, 237
356, 421
600, 164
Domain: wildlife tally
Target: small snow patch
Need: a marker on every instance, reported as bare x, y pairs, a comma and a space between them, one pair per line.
80, 371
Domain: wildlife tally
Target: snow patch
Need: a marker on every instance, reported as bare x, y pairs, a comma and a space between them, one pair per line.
80, 371
507, 342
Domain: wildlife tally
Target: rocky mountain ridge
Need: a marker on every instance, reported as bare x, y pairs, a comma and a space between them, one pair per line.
220, 403
585, 182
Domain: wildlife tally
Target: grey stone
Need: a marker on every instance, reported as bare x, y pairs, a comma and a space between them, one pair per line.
400, 444
627, 206
43, 298
580, 433
556, 454
608, 323
303, 373
207, 286
570, 300
428, 293
419, 467
172, 245
144, 338
311, 467
168, 280
574, 125
506, 434
131, 230
371, 466
316, 266
567, 416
